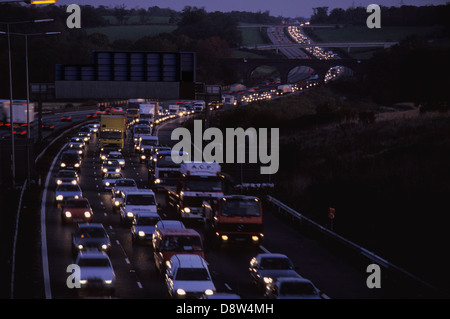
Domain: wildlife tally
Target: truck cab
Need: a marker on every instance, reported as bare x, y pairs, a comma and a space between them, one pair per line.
164, 171
235, 218
198, 181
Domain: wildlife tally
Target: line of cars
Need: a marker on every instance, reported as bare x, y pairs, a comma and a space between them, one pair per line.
90, 242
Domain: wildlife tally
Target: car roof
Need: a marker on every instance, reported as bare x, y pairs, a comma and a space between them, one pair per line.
168, 222
291, 279
138, 191
188, 261
90, 225
179, 231
82, 199
148, 214
271, 255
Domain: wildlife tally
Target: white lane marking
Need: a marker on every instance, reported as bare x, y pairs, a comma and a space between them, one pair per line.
228, 287
139, 284
44, 252
127, 261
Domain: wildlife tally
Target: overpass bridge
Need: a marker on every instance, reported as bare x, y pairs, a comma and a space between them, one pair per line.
284, 66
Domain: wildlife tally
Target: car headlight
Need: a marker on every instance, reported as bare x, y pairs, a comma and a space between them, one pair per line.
80, 247
117, 170
122, 162
77, 165
59, 197
187, 210
157, 181
58, 181
116, 203
63, 164
209, 292
143, 157
181, 292
130, 214
108, 282
76, 196
267, 280
74, 182
83, 281
105, 170
68, 214
103, 157
87, 214
104, 247
107, 184
141, 233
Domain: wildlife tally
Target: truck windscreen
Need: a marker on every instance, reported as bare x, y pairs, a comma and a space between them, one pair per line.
111, 135
203, 184
140, 200
166, 161
239, 207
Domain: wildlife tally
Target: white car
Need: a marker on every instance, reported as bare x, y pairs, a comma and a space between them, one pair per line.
67, 176
121, 185
109, 180
187, 276
137, 202
292, 288
65, 191
96, 271
143, 227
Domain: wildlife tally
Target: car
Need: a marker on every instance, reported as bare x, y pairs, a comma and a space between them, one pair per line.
77, 143
114, 155
151, 157
292, 288
109, 180
86, 136
93, 128
121, 184
90, 237
71, 161
66, 176
77, 210
169, 224
65, 191
105, 149
136, 202
20, 131
110, 166
143, 226
47, 126
146, 142
267, 267
96, 271
66, 118
187, 276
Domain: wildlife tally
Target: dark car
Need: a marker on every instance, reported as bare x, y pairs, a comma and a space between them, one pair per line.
90, 237
70, 160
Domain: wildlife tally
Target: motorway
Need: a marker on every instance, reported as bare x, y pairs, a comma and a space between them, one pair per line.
137, 276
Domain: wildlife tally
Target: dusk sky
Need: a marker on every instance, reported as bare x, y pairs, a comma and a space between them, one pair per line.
286, 8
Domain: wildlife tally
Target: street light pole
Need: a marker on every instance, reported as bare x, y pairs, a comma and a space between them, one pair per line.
11, 121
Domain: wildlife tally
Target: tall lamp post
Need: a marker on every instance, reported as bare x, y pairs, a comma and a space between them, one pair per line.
8, 33
26, 35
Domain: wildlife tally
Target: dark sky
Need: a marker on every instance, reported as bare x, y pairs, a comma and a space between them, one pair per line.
286, 8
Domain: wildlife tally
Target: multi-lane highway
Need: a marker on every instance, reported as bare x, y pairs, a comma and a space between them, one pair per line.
136, 274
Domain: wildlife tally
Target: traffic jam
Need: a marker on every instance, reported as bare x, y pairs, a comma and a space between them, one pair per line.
118, 191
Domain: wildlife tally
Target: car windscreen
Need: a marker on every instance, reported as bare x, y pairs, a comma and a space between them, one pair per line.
192, 274
297, 288
113, 176
275, 263
140, 199
77, 204
148, 221
142, 130
68, 188
94, 262
69, 158
93, 232
69, 174
181, 243
126, 183
240, 207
